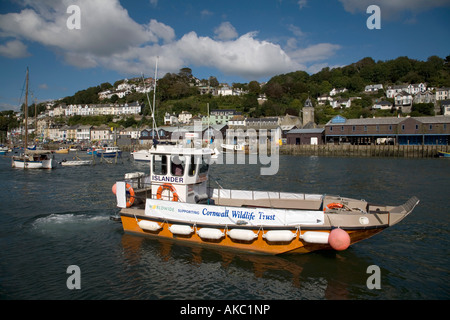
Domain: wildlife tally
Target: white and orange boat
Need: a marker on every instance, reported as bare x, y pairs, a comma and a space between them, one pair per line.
174, 201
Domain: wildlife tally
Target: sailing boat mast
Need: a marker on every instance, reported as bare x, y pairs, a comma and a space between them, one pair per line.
154, 128
26, 114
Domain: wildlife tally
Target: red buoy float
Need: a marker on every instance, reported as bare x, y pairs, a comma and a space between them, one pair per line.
339, 239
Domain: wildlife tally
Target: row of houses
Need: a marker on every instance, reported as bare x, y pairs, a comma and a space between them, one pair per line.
133, 108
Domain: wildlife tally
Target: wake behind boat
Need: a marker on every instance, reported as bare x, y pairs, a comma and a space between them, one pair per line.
174, 201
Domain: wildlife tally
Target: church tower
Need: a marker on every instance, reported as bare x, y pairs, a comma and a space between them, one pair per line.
308, 113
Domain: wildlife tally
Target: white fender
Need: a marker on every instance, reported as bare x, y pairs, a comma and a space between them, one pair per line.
315, 237
210, 233
242, 234
149, 225
181, 229
279, 235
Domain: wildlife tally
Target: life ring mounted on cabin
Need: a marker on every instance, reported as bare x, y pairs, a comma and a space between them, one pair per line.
333, 205
130, 200
167, 186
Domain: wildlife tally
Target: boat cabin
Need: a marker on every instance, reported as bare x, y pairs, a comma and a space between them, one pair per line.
176, 174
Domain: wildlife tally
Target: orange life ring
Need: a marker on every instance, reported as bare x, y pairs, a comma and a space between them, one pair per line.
167, 186
130, 190
333, 205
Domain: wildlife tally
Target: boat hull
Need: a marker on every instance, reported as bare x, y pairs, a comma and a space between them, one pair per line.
260, 244
141, 155
109, 154
43, 164
443, 154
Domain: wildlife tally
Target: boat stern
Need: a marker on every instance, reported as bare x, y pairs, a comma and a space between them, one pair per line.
398, 213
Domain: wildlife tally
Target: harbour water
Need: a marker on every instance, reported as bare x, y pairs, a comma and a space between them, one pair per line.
52, 219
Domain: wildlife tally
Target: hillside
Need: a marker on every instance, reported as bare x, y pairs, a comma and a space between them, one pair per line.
285, 93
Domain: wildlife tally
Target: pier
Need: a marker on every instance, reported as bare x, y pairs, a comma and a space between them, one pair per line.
348, 150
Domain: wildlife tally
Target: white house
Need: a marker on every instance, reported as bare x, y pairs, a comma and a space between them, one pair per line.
425, 97
341, 103
184, 117
442, 93
323, 99
170, 118
373, 88
382, 105
416, 88
392, 91
84, 133
445, 105
335, 91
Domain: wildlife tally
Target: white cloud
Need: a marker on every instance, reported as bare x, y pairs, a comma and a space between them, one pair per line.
302, 3
14, 49
317, 52
111, 39
225, 31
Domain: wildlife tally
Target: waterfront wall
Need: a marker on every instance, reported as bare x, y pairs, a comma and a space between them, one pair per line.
348, 150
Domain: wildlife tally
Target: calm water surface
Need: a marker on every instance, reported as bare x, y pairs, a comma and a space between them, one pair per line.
50, 220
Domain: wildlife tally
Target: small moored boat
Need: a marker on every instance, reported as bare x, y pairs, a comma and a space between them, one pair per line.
109, 152
443, 154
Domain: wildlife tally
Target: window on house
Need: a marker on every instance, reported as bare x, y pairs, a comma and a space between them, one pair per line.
390, 127
431, 127
365, 128
417, 127
354, 128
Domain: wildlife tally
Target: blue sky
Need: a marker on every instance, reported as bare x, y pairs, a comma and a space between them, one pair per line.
235, 41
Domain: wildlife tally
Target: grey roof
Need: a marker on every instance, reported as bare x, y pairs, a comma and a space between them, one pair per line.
390, 120
316, 130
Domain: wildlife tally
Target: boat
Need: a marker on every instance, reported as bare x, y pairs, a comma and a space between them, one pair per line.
174, 201
91, 150
62, 150
3, 150
109, 152
31, 158
141, 155
76, 162
443, 154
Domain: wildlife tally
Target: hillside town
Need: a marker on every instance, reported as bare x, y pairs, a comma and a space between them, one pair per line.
294, 129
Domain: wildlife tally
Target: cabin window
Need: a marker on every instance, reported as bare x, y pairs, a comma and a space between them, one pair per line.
417, 127
354, 128
365, 128
192, 166
203, 166
160, 164
177, 165
403, 127
390, 127
431, 127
